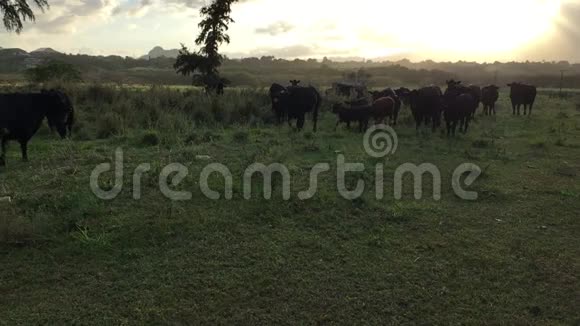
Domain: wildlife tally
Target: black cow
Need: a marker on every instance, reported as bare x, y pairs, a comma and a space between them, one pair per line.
489, 96
363, 101
348, 114
458, 88
458, 108
295, 102
392, 94
403, 93
21, 116
522, 94
426, 106
276, 90
348, 89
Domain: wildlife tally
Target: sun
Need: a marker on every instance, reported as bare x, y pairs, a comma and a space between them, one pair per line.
470, 28
437, 29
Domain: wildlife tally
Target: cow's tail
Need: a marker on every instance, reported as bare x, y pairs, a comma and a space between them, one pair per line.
70, 122
316, 109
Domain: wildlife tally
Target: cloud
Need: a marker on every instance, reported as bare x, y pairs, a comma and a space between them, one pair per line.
137, 9
276, 28
563, 43
66, 17
195, 4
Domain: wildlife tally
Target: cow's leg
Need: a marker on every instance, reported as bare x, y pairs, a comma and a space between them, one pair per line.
315, 120
531, 106
466, 126
3, 154
336, 126
514, 108
364, 125
450, 130
24, 149
300, 123
434, 124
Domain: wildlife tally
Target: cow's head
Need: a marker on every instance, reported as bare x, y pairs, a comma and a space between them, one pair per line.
60, 114
453, 83
337, 107
294, 82
279, 101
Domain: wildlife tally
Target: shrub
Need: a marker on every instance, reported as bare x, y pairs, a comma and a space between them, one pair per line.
53, 71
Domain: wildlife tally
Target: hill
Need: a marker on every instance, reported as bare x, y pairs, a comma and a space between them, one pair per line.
159, 52
157, 68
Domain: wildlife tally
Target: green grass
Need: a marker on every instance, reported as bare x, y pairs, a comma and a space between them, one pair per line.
510, 257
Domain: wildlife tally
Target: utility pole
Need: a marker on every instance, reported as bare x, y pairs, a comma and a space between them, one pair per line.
562, 82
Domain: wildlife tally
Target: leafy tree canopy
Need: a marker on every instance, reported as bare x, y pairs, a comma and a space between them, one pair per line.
16, 12
53, 71
204, 63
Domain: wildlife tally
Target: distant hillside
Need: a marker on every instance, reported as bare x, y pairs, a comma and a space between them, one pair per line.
45, 51
159, 52
157, 68
15, 52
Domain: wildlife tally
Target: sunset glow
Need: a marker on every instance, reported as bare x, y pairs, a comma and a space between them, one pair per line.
417, 29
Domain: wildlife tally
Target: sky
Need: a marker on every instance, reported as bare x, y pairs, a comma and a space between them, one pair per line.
441, 30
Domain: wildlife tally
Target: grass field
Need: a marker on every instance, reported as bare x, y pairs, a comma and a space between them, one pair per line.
510, 257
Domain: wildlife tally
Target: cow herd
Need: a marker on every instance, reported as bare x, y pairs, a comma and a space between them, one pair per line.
429, 106
22, 114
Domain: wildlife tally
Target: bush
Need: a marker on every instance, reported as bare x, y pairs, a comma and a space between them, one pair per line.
53, 71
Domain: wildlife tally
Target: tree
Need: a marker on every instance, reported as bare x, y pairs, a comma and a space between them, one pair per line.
53, 71
204, 64
18, 11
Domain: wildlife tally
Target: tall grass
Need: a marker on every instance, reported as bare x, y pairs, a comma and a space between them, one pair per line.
105, 111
